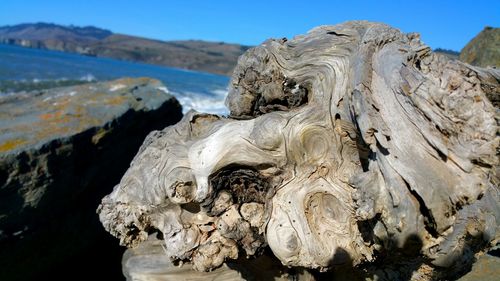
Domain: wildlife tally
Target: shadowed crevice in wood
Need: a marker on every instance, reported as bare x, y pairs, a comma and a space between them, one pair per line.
244, 184
430, 223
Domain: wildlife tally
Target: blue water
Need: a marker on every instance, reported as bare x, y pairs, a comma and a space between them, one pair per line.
201, 91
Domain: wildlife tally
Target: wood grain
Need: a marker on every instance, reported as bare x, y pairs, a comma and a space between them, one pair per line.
343, 144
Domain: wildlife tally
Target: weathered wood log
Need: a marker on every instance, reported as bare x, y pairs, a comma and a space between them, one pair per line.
342, 145
148, 262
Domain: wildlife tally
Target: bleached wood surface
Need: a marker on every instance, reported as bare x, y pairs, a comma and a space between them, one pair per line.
342, 144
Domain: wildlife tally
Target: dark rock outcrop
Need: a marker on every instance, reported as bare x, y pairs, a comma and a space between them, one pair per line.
484, 49
61, 150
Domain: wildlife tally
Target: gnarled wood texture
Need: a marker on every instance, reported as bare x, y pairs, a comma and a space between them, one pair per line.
342, 144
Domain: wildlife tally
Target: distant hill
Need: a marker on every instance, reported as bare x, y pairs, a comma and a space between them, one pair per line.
484, 49
46, 31
215, 57
449, 53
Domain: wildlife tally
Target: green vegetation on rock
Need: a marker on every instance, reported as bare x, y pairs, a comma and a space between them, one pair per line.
484, 49
447, 52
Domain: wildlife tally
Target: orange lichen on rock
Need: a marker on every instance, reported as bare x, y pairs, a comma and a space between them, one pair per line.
50, 116
115, 100
63, 112
11, 144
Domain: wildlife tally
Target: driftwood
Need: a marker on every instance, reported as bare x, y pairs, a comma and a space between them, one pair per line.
343, 146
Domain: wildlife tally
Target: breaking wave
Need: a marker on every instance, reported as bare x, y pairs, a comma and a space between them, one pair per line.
209, 103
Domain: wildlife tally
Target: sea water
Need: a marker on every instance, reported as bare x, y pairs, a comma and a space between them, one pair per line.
203, 92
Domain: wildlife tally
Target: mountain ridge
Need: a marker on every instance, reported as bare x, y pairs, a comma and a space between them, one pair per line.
213, 57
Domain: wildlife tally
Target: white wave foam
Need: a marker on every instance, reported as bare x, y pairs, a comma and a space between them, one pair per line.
220, 92
88, 77
202, 103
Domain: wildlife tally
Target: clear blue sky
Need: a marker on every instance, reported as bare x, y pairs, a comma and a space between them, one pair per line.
446, 24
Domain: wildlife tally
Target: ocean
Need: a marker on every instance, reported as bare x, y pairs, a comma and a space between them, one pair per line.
20, 66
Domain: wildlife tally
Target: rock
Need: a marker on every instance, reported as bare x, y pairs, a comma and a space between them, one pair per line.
60, 151
353, 145
486, 268
484, 49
